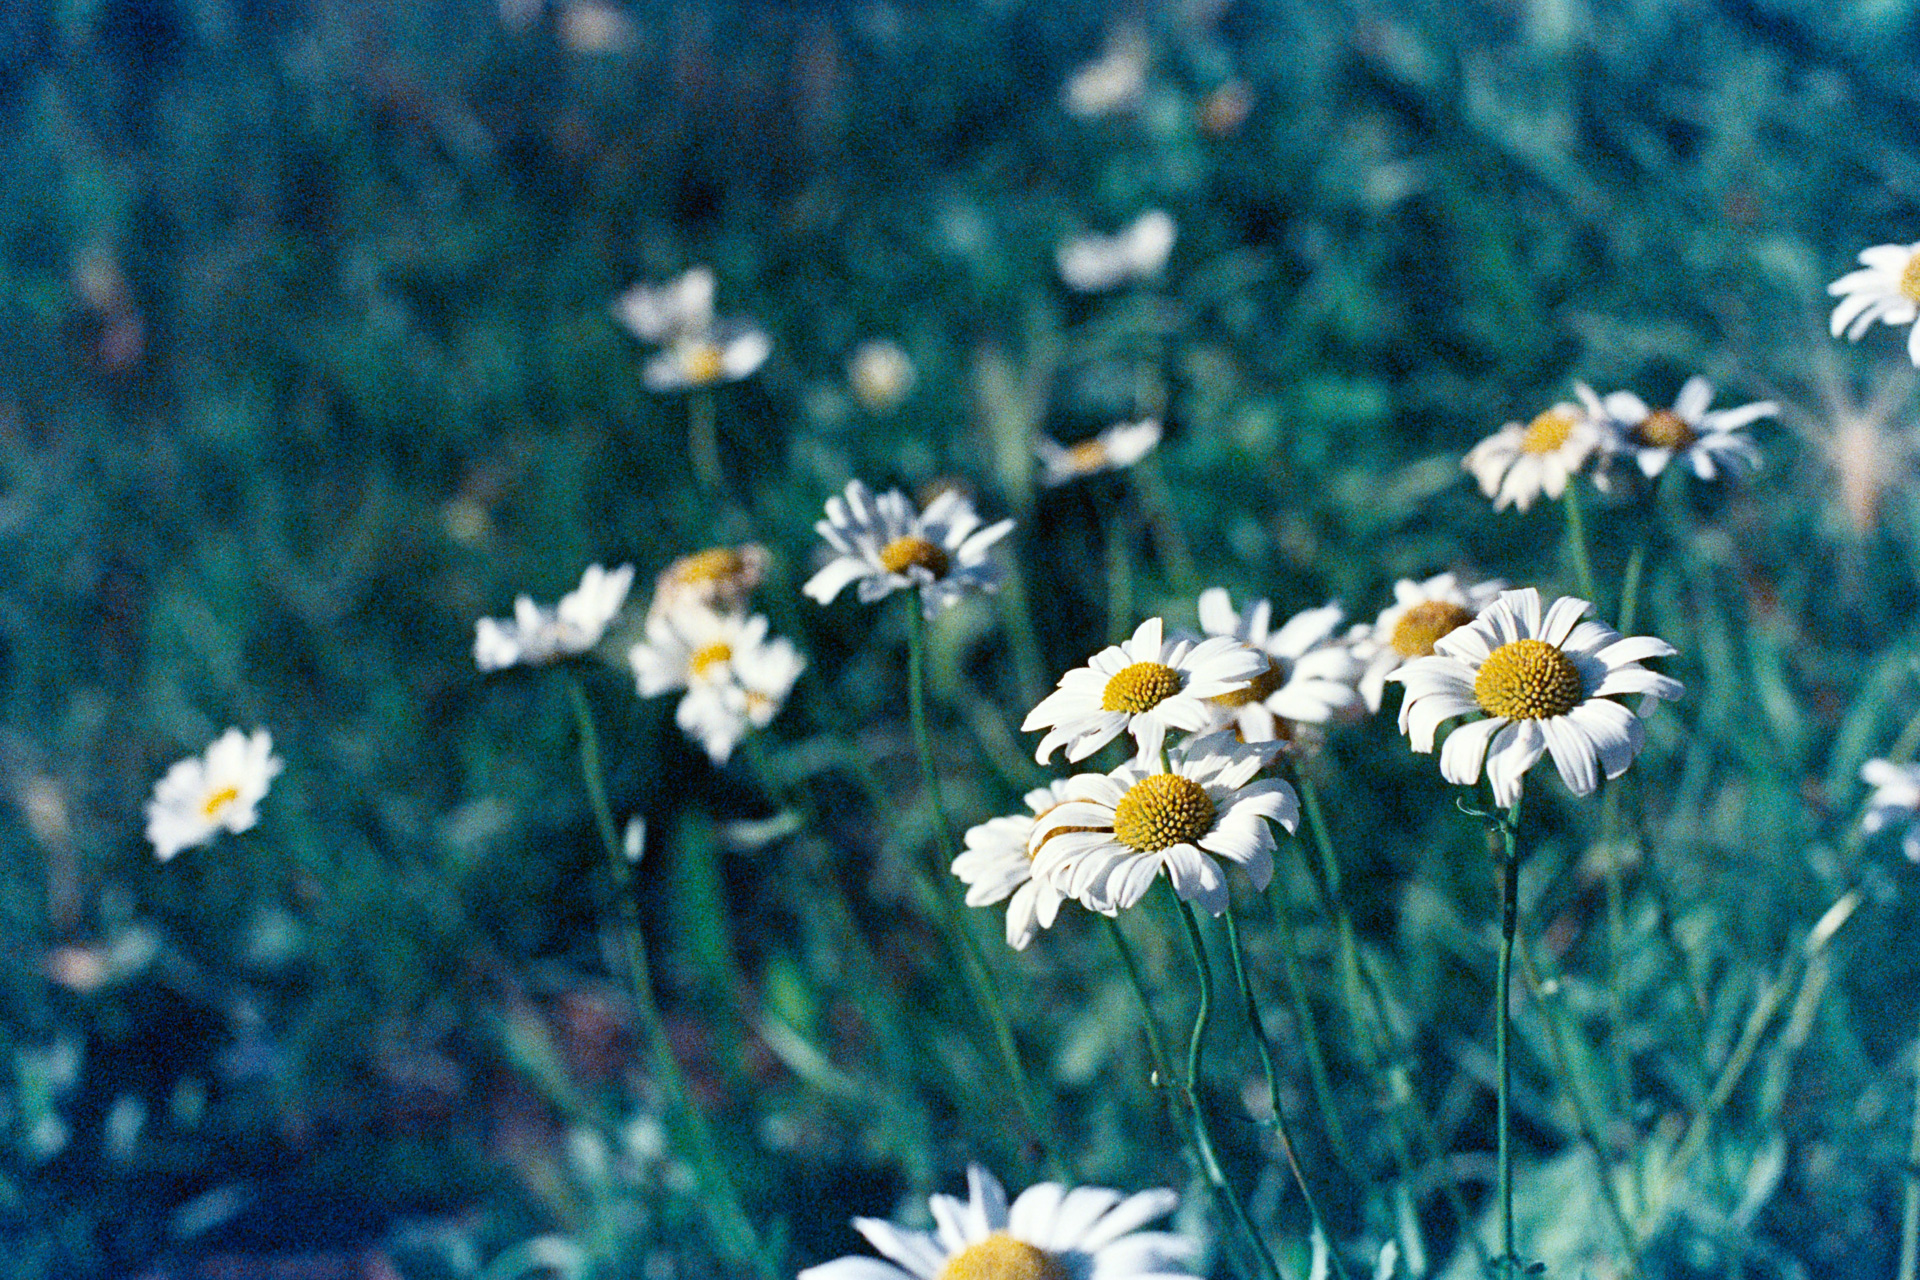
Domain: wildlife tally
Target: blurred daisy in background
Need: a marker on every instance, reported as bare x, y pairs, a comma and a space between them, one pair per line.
1421, 613
1708, 442
1092, 264
1309, 676
1115, 833
1120, 445
535, 635
1115, 82
1521, 461
1886, 288
1146, 686
720, 578
1049, 1232
220, 790
886, 546
1895, 800
881, 375
998, 864
662, 313
734, 676
730, 351
1543, 683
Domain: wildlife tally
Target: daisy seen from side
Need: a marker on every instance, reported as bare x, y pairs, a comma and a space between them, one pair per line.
884, 545
730, 351
1885, 288
1049, 1232
1708, 442
1310, 671
1895, 801
1421, 613
536, 634
1523, 460
1094, 264
1144, 686
218, 790
661, 313
997, 865
1119, 446
1543, 682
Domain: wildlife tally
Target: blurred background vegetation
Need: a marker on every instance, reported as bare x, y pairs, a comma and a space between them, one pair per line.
309, 363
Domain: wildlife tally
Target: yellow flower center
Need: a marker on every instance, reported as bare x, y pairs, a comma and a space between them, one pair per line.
1547, 432
902, 553
704, 364
1161, 810
1001, 1257
716, 564
218, 801
1910, 278
708, 656
1664, 429
1088, 455
1140, 687
1528, 680
1262, 687
1418, 628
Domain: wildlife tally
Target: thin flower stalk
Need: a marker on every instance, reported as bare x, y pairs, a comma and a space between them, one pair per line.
1577, 540
1509, 921
1910, 1206
703, 442
1119, 581
726, 1213
1310, 1032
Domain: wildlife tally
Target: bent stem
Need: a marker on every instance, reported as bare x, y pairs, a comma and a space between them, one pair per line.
726, 1213
1577, 539
973, 964
1273, 1093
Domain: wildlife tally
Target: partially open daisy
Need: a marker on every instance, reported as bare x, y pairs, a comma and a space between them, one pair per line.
206, 794
1523, 460
1886, 288
729, 351
1048, 1233
1710, 442
1145, 686
1093, 264
535, 634
1309, 675
1115, 833
998, 864
734, 676
1421, 613
1120, 445
886, 546
1543, 683
1895, 801
661, 313
719, 578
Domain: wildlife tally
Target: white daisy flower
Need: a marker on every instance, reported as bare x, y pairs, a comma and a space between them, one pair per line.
1420, 614
1120, 445
881, 374
662, 313
1886, 288
1710, 442
1895, 800
885, 546
1543, 684
535, 635
206, 794
998, 864
1048, 1233
1310, 675
1145, 686
1116, 832
1114, 83
1519, 462
718, 578
734, 676
1093, 264
728, 352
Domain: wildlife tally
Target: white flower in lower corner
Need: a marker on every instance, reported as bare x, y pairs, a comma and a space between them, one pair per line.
1421, 613
1895, 800
1309, 676
1145, 686
886, 546
1049, 1232
732, 350
735, 678
1709, 442
1105, 844
1093, 264
206, 794
1886, 288
535, 634
1120, 445
1521, 461
998, 864
1544, 683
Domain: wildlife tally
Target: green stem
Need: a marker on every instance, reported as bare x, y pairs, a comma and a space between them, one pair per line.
973, 963
1310, 1032
1616, 949
1910, 1210
1577, 539
1203, 1137
1119, 581
726, 1213
1273, 1094
1630, 587
1509, 920
703, 441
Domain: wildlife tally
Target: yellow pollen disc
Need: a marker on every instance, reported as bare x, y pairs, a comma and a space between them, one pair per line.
1547, 432
1418, 628
1140, 687
705, 364
219, 800
716, 564
707, 656
1160, 810
1259, 691
1088, 455
1001, 1257
902, 553
1910, 278
1528, 680
1664, 429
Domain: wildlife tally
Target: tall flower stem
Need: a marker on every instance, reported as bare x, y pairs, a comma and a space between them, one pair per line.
1910, 1210
973, 964
1577, 539
1119, 580
1310, 1032
703, 441
1273, 1094
1203, 1137
1509, 922
726, 1213
1630, 587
